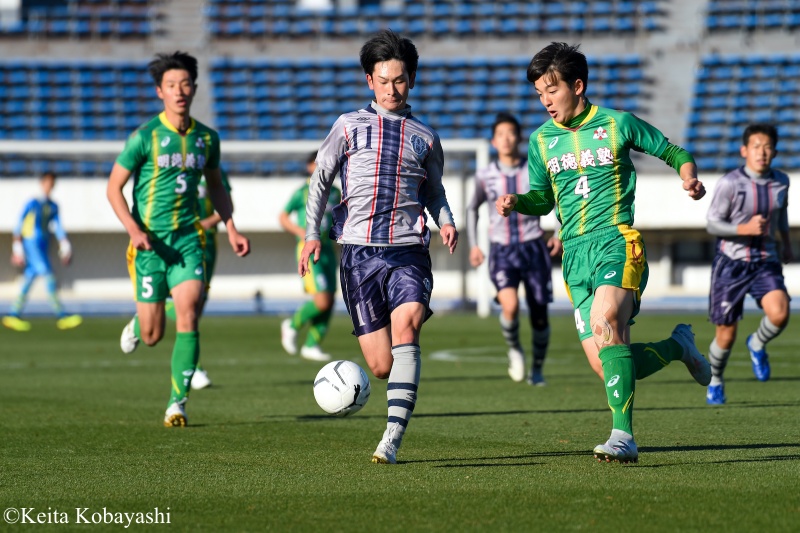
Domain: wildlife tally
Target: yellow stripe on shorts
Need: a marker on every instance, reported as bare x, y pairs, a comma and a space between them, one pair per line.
635, 260
130, 257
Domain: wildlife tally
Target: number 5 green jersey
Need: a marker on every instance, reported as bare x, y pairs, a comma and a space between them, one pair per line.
167, 168
587, 165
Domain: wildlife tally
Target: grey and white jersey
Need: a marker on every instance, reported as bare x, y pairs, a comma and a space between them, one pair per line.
390, 166
492, 182
737, 198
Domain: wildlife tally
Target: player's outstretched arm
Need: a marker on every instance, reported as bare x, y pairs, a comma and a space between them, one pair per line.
691, 184
116, 181
311, 249
224, 207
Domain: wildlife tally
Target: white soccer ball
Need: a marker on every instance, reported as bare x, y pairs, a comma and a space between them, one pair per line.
341, 388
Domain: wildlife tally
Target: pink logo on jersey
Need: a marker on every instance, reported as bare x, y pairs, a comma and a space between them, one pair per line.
600, 134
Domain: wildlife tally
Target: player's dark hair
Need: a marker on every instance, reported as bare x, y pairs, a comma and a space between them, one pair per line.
48, 175
385, 46
311, 158
560, 60
767, 129
506, 118
175, 61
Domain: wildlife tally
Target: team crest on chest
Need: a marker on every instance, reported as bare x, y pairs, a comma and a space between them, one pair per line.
200, 143
600, 134
418, 144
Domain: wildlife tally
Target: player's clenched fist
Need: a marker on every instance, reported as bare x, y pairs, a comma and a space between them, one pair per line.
505, 204
695, 187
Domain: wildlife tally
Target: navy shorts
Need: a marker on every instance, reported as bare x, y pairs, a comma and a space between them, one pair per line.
377, 279
732, 280
526, 262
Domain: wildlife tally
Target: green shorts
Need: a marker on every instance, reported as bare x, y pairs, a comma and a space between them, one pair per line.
610, 256
322, 274
177, 256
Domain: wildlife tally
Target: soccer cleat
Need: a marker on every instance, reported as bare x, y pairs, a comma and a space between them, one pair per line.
69, 322
16, 323
620, 447
516, 365
536, 379
760, 361
176, 415
385, 454
313, 353
128, 341
716, 395
200, 380
289, 337
697, 364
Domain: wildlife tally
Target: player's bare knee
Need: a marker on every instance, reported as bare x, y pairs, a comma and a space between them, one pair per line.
151, 337
602, 331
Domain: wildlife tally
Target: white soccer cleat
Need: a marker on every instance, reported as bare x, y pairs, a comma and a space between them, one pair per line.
620, 447
200, 380
697, 364
385, 454
313, 353
128, 341
289, 337
516, 365
176, 415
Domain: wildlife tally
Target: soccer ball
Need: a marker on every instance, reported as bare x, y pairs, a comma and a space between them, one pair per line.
341, 388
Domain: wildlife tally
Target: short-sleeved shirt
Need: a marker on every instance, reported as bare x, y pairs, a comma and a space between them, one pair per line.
38, 218
589, 168
167, 168
737, 197
492, 182
297, 204
205, 207
391, 165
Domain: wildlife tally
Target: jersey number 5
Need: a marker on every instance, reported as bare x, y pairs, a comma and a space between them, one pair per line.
582, 187
182, 185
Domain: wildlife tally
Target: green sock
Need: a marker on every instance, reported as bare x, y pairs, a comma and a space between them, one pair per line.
136, 329
618, 374
169, 310
304, 315
650, 357
318, 329
184, 360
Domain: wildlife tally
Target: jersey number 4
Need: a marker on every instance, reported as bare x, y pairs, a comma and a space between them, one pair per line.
582, 187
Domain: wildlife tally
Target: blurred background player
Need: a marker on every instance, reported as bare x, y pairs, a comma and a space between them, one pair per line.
580, 161
391, 168
518, 251
320, 283
31, 244
168, 155
747, 211
209, 220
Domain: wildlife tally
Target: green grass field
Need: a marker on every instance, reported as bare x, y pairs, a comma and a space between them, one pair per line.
81, 427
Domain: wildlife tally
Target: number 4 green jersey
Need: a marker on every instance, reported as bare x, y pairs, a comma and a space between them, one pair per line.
588, 167
167, 168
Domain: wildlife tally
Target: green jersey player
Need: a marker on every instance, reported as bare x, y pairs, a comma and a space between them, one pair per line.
168, 155
321, 281
579, 162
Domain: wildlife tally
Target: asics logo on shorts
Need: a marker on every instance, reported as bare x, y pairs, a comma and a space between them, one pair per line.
613, 381
610, 274
198, 271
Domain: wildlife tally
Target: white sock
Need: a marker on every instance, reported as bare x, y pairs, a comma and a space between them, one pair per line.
401, 391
